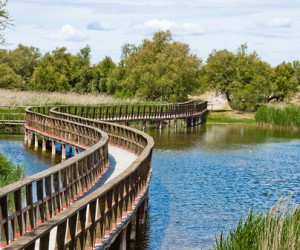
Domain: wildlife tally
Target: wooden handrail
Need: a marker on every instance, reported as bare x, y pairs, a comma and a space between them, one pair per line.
22, 209
106, 207
137, 112
101, 214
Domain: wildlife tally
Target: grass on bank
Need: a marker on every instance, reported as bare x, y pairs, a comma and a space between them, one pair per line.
284, 116
229, 116
278, 230
9, 171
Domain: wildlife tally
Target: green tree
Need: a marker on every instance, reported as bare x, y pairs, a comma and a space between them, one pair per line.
23, 61
104, 71
8, 78
53, 72
158, 69
82, 74
242, 77
284, 82
296, 67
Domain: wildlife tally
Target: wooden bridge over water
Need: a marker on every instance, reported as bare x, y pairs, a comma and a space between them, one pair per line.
56, 209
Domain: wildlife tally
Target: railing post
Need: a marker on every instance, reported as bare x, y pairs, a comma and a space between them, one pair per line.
4, 226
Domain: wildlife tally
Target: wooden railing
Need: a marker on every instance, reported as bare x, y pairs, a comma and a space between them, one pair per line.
12, 115
37, 198
98, 217
137, 112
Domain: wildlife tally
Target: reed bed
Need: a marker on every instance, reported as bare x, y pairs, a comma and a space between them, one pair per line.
30, 98
283, 116
278, 230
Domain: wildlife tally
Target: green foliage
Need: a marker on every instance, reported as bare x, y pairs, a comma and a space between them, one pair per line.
104, 70
281, 115
54, 72
278, 230
8, 78
158, 69
17, 66
284, 82
9, 171
296, 67
243, 78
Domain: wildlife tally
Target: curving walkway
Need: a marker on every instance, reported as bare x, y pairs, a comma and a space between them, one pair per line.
119, 160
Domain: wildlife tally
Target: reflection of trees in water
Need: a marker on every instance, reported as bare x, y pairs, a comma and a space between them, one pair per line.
217, 137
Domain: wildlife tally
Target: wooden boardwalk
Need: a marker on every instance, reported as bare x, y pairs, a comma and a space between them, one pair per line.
83, 202
119, 161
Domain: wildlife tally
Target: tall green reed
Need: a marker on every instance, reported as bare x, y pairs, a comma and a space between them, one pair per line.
285, 116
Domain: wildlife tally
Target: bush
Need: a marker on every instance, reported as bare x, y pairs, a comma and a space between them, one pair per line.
9, 171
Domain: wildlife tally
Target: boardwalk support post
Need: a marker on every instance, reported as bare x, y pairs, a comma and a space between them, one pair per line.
133, 228
43, 144
63, 151
36, 141
26, 137
123, 239
53, 148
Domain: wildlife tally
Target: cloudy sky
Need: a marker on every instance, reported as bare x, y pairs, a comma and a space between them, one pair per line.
271, 27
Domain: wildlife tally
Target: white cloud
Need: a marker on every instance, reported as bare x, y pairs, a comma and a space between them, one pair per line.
187, 28
275, 23
69, 33
280, 23
160, 24
99, 26
191, 29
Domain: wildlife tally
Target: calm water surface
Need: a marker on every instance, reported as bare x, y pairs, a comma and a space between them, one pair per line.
34, 160
204, 179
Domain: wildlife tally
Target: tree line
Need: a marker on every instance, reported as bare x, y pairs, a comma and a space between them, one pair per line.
157, 69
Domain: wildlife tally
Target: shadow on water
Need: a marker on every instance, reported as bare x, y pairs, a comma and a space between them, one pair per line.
156, 220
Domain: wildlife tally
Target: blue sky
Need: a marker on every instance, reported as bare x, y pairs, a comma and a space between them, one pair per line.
271, 27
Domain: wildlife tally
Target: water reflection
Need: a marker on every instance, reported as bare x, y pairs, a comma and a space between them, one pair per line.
218, 137
34, 159
205, 178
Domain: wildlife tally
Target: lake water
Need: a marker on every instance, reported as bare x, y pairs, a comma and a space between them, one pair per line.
204, 179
